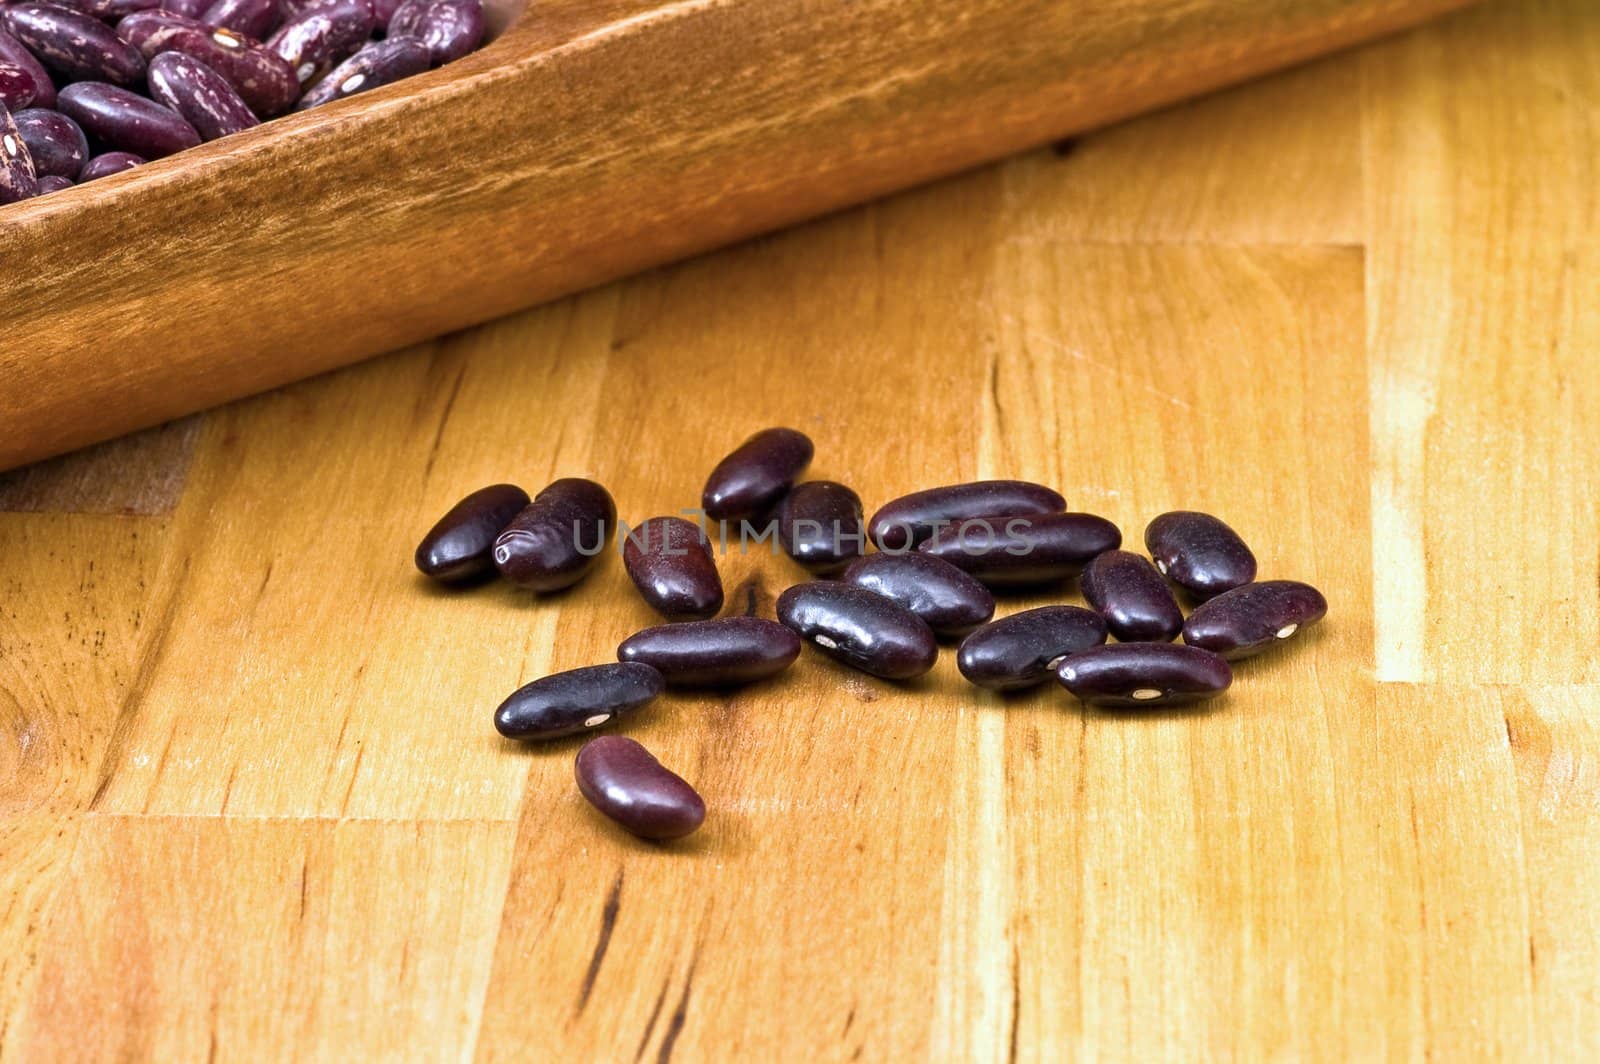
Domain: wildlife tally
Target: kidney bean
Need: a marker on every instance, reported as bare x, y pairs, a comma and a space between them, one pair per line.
820, 526
1022, 650
76, 45
459, 548
56, 142
948, 600
1133, 598
111, 162
203, 97
907, 521
255, 19
625, 782
187, 8
17, 87
17, 178
450, 28
566, 703
53, 183
265, 81
12, 51
1249, 619
558, 537
718, 653
1199, 553
376, 65
1024, 551
111, 10
669, 560
1123, 675
383, 13
860, 628
322, 35
748, 481
125, 120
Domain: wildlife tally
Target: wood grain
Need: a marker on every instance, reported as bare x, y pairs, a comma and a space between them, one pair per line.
250, 803
533, 168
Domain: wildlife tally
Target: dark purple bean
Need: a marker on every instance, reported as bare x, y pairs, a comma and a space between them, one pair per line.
1028, 551
624, 781
1199, 553
1249, 619
383, 13
749, 481
860, 628
78, 46
53, 183
459, 548
111, 162
1140, 675
322, 35
111, 10
12, 51
376, 65
669, 560
18, 89
1133, 598
265, 81
203, 97
907, 521
56, 142
820, 526
187, 8
125, 120
948, 600
255, 19
1022, 650
558, 537
17, 178
718, 653
450, 28
577, 700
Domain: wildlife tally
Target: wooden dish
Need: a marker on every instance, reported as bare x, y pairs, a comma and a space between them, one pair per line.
589, 139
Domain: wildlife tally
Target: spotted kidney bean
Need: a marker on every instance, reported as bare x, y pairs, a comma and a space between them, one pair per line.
127, 121
450, 28
111, 10
53, 183
376, 65
78, 46
322, 35
17, 178
56, 142
187, 8
253, 18
111, 162
263, 79
203, 97
12, 51
17, 86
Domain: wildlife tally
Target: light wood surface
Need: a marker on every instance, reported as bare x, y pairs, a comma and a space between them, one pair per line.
588, 141
251, 805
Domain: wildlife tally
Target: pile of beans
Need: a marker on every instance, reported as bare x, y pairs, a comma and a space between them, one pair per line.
940, 556
93, 87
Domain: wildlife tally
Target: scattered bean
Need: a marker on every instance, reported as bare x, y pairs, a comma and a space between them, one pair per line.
820, 526
1140, 675
625, 782
322, 35
948, 600
1011, 552
375, 65
860, 628
1022, 650
17, 87
578, 700
53, 183
111, 10
112, 162
187, 8
203, 97
754, 477
1199, 553
1132, 597
907, 521
669, 560
265, 81
17, 178
1255, 617
12, 51
718, 653
460, 547
125, 120
558, 537
450, 28
78, 46
56, 142
255, 19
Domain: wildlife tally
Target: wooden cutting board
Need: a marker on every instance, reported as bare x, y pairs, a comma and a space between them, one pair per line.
251, 805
